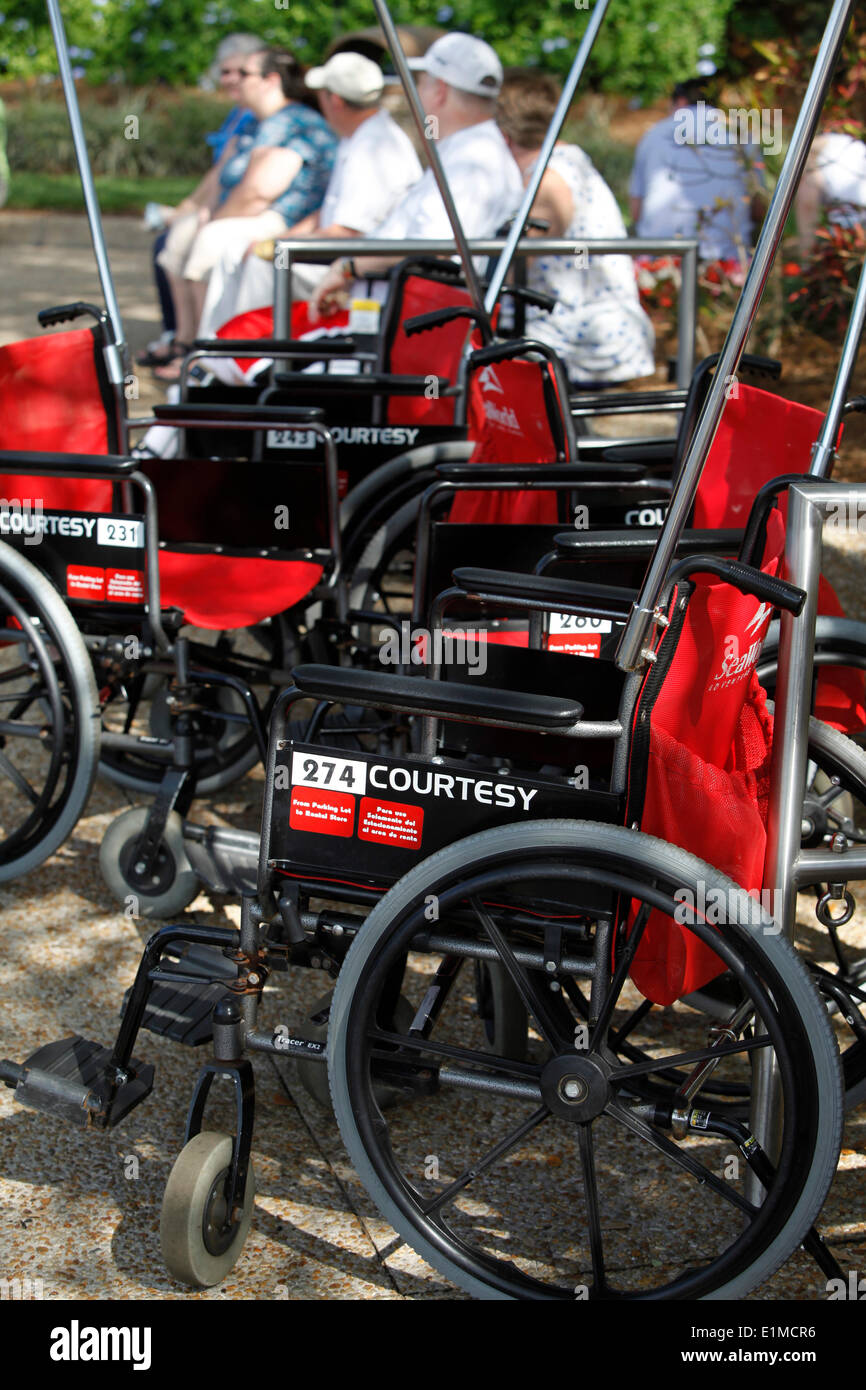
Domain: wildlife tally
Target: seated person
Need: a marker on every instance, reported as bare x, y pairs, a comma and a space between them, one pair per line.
683, 184
598, 327
226, 70
460, 78
267, 182
834, 179
375, 165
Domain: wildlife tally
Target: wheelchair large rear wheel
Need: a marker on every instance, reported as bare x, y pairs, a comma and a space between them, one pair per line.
564, 1175
49, 718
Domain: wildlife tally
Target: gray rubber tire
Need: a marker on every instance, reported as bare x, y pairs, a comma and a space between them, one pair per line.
184, 885
41, 600
596, 844
200, 1164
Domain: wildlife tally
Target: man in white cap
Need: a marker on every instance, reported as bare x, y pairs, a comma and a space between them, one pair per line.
460, 78
375, 165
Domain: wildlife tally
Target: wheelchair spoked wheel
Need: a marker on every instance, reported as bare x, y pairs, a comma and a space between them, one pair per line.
226, 748
563, 1176
835, 805
49, 718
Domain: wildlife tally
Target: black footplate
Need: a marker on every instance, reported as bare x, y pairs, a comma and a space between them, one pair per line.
72, 1079
182, 1010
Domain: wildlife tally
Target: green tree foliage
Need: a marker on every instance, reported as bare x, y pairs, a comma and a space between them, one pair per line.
641, 51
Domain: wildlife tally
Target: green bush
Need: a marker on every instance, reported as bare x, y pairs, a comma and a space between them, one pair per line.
138, 134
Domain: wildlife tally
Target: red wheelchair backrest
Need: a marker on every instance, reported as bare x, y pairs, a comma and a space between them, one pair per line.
51, 401
437, 351
704, 784
760, 437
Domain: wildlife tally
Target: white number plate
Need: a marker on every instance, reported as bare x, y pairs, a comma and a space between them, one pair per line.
341, 774
291, 439
572, 622
126, 533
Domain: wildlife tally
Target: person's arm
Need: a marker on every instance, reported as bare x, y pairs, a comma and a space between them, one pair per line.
269, 173
206, 196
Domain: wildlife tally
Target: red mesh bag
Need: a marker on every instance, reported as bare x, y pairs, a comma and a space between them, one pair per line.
51, 401
509, 421
760, 437
708, 765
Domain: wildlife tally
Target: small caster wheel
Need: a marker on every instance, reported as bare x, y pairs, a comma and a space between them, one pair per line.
313, 1076
196, 1248
174, 882
501, 1010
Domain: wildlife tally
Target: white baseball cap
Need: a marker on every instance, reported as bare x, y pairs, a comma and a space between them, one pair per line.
464, 62
350, 76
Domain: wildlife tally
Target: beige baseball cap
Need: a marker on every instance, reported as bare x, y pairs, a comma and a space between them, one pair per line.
464, 62
348, 75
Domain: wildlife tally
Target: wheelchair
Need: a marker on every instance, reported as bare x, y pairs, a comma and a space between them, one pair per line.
652, 984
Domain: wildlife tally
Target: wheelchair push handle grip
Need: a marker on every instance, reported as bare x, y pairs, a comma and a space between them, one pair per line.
422, 322
535, 297
747, 579
63, 313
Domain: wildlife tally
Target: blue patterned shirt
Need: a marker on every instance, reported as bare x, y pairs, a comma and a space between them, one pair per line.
294, 127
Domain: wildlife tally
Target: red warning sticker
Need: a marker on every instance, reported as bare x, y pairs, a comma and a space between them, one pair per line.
85, 582
572, 645
324, 813
390, 823
124, 586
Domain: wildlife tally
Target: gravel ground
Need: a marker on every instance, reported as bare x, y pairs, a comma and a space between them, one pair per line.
81, 1211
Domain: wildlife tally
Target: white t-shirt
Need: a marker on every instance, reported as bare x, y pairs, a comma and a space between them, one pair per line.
840, 161
484, 181
598, 327
694, 187
374, 168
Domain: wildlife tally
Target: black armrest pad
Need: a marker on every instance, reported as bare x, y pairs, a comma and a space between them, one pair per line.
369, 382
443, 699
541, 586
637, 544
535, 473
237, 414
77, 465
266, 347
640, 453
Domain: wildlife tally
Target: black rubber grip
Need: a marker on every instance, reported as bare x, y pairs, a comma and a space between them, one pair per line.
63, 313
263, 347
272, 414
747, 579
542, 301
422, 322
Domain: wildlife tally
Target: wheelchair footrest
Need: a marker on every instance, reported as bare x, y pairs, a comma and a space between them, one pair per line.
72, 1079
182, 1011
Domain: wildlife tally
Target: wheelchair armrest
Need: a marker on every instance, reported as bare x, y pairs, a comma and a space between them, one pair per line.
72, 465
369, 383
640, 453
267, 347
638, 543
606, 600
534, 474
474, 704
238, 414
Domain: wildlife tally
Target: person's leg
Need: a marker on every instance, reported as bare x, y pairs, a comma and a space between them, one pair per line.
163, 289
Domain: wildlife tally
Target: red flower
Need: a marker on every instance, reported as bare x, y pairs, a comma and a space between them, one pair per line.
791, 268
